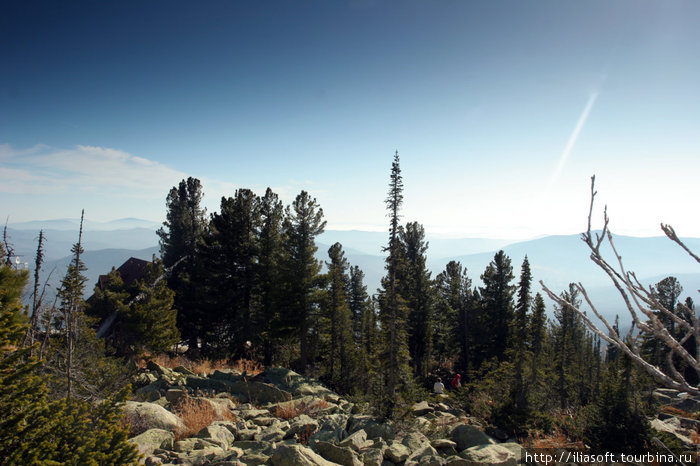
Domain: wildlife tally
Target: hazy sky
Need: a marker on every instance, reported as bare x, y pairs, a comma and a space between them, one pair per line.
500, 110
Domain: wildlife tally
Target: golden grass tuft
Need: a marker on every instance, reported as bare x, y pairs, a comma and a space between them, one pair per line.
196, 415
291, 410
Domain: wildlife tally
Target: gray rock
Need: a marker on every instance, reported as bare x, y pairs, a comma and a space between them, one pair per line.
153, 439
375, 428
301, 424
397, 452
495, 455
424, 451
295, 383
217, 433
143, 379
415, 441
422, 408
272, 434
297, 455
357, 440
373, 457
145, 416
445, 447
334, 421
466, 436
341, 455
251, 413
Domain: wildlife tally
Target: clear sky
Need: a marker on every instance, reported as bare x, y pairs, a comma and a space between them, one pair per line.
500, 110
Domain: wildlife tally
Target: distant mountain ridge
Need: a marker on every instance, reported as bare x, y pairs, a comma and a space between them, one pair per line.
556, 260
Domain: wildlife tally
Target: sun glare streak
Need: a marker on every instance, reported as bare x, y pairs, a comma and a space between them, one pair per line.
572, 141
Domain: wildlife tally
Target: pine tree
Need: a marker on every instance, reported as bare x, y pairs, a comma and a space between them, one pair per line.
180, 240
537, 335
231, 256
33, 329
267, 319
302, 224
416, 288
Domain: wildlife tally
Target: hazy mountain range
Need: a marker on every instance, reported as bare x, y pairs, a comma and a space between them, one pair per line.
557, 260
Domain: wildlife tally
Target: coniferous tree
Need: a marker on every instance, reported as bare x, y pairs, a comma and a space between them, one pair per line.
267, 318
71, 295
34, 431
341, 352
537, 334
496, 307
365, 332
416, 289
391, 305
144, 319
519, 334
452, 317
180, 241
33, 328
302, 224
230, 253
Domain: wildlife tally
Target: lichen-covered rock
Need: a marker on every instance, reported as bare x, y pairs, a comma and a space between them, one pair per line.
295, 383
397, 452
297, 455
495, 455
301, 424
341, 455
415, 440
218, 434
153, 439
466, 436
375, 428
357, 440
422, 408
145, 416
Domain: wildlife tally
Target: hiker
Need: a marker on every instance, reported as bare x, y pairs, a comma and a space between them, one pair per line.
438, 387
457, 381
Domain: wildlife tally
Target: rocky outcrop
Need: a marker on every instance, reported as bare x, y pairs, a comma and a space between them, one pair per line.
282, 418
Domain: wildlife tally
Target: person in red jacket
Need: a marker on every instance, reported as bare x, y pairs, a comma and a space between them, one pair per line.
457, 381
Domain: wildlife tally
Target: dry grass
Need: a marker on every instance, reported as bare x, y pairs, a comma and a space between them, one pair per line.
695, 436
206, 366
292, 410
196, 415
557, 439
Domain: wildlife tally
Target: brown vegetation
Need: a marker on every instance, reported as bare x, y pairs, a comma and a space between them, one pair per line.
196, 415
206, 366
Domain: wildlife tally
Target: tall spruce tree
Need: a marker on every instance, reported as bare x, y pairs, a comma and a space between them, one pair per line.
391, 305
302, 224
519, 334
180, 240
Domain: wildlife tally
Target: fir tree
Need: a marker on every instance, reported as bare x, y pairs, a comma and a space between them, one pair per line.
302, 224
496, 307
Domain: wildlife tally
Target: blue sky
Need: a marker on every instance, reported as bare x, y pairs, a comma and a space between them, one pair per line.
500, 110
